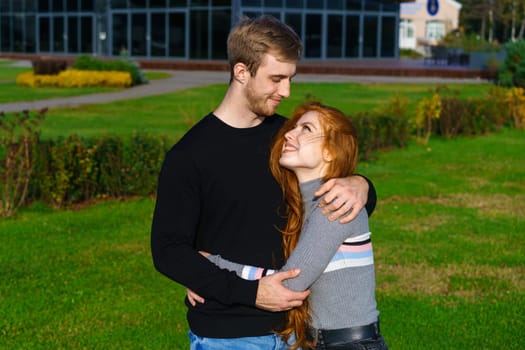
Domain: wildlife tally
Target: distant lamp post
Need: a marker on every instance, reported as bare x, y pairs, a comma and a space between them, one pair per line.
102, 38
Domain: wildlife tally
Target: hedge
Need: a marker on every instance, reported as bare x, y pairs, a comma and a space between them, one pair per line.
72, 170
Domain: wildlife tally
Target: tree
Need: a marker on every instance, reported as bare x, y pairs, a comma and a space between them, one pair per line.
494, 19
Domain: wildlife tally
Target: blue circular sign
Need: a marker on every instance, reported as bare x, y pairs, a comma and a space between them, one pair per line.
432, 7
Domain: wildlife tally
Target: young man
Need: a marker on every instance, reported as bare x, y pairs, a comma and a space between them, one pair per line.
216, 194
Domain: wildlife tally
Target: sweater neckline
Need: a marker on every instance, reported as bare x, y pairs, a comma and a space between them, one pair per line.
257, 127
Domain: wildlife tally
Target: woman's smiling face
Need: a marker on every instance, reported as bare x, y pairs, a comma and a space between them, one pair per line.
303, 150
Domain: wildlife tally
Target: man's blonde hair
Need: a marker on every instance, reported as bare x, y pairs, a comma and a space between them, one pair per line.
252, 38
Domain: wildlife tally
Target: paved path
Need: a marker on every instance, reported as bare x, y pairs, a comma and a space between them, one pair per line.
180, 80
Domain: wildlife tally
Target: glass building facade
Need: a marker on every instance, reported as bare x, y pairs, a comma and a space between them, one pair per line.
193, 29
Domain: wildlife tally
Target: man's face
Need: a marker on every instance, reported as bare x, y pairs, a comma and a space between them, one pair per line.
270, 85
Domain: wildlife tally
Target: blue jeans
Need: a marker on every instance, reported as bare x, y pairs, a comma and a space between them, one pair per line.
266, 342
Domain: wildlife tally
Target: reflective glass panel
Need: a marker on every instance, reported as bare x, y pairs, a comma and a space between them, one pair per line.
58, 34
388, 37
158, 34
86, 36
120, 34
299, 4
334, 45
221, 27
138, 34
273, 3
72, 5
18, 34
295, 21
140, 4
57, 5
199, 34
44, 34
72, 34
312, 40
352, 36
157, 3
353, 5
4, 33
370, 36
177, 39
30, 40
314, 4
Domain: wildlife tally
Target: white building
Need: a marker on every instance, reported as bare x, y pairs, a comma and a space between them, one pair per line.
424, 23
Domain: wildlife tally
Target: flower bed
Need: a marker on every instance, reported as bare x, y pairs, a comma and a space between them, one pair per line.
76, 78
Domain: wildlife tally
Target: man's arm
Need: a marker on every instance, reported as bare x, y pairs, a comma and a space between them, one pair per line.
345, 197
173, 231
319, 241
271, 295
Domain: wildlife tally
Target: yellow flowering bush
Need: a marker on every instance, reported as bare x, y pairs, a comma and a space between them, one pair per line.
76, 78
427, 110
516, 101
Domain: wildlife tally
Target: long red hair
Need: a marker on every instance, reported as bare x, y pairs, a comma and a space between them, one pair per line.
341, 142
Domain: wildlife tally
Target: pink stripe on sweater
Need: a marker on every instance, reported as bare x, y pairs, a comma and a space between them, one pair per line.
355, 248
258, 273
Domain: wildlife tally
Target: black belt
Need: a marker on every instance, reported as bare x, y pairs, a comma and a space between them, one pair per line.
345, 335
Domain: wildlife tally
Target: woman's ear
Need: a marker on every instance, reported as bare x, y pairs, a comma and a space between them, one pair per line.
240, 72
327, 155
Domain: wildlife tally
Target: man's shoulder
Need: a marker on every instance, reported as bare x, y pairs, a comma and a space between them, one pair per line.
199, 132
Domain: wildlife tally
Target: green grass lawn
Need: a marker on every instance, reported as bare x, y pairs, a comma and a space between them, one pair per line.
448, 239
449, 248
173, 114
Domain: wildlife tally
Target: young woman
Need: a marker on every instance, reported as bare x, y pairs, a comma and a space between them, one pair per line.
336, 260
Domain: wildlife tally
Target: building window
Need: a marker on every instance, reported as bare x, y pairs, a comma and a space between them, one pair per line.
158, 34
407, 39
177, 39
120, 37
406, 29
370, 36
312, 39
334, 38
435, 30
157, 3
199, 34
352, 36
388, 36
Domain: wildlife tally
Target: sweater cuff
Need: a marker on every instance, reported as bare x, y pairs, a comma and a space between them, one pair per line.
245, 292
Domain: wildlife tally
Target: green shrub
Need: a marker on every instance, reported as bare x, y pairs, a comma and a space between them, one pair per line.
73, 170
513, 71
48, 65
409, 53
454, 114
18, 137
64, 172
379, 131
122, 64
469, 42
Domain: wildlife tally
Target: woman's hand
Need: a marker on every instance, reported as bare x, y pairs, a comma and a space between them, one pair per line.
194, 298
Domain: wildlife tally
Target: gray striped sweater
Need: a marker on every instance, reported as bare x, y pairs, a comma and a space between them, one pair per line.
337, 265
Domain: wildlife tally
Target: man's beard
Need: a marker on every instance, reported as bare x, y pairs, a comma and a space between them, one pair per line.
258, 104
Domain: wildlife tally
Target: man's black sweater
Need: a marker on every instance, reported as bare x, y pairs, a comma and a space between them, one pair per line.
216, 194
